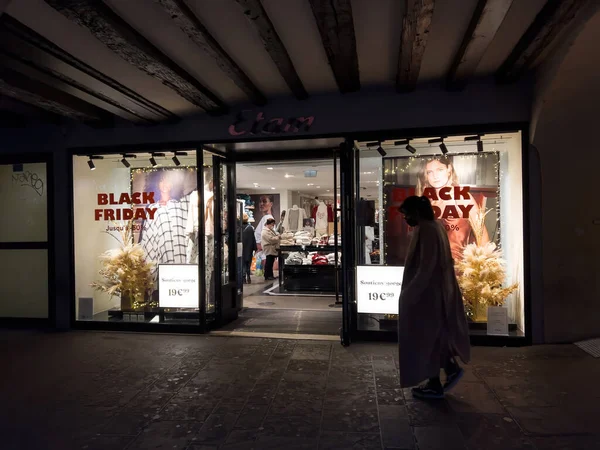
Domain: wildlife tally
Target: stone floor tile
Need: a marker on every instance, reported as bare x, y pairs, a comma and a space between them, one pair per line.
492, 432
126, 423
352, 420
474, 397
312, 351
567, 442
292, 426
390, 397
349, 441
104, 442
553, 420
166, 435
439, 438
216, 428
286, 443
425, 413
252, 416
395, 427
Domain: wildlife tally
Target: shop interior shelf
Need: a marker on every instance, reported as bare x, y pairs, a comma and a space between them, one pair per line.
308, 248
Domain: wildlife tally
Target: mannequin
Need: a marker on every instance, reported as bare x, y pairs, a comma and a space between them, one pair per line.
369, 238
191, 229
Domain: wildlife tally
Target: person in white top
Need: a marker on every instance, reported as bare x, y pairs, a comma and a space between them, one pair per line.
266, 208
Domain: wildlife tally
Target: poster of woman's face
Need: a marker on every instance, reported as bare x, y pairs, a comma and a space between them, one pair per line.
266, 204
461, 188
165, 183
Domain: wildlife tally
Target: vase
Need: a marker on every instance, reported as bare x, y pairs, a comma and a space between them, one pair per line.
126, 301
480, 312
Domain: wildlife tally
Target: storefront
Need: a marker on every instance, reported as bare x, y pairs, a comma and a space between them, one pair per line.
157, 232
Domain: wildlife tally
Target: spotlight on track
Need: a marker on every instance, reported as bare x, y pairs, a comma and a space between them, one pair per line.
381, 151
406, 142
176, 159
439, 140
480, 145
478, 139
91, 161
124, 160
153, 161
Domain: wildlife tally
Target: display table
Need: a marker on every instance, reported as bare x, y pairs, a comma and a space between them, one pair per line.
308, 278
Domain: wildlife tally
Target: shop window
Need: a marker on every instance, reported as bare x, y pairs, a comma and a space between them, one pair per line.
136, 237
475, 186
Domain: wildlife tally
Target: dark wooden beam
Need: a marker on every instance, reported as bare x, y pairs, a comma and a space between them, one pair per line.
485, 22
31, 112
416, 25
28, 90
28, 66
553, 18
256, 14
125, 41
24, 33
336, 26
183, 16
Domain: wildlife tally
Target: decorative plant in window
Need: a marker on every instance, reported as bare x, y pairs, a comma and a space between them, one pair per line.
482, 273
125, 272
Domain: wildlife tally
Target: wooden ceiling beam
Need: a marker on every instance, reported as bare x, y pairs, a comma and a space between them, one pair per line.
26, 34
553, 18
20, 87
256, 14
114, 32
416, 26
336, 26
485, 22
17, 29
184, 17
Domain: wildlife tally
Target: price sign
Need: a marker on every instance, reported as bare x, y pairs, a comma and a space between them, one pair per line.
178, 286
497, 324
378, 289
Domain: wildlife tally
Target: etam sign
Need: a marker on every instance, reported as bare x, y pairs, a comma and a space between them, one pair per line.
246, 123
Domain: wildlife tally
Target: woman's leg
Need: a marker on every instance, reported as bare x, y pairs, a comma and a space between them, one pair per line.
269, 266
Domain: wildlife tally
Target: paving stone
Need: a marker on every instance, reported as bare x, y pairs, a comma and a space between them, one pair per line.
306, 425
216, 428
166, 435
356, 419
567, 442
492, 432
395, 427
426, 413
439, 438
354, 441
474, 397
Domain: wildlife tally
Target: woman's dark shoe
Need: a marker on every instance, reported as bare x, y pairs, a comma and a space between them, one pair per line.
429, 391
453, 378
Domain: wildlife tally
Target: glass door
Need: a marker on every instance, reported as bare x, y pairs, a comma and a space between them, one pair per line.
346, 157
24, 241
223, 292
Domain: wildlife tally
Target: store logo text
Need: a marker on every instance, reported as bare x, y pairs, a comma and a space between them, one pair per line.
261, 125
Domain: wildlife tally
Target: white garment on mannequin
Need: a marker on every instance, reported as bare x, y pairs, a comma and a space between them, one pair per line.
294, 219
369, 238
321, 219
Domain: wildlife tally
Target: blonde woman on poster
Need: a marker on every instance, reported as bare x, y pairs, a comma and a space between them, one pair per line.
452, 206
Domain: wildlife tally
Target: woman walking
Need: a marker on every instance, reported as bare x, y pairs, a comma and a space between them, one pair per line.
432, 326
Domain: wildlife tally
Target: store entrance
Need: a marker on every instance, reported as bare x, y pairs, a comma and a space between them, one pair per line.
289, 244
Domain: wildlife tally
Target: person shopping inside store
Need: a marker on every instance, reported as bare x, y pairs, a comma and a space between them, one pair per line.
270, 244
432, 325
248, 248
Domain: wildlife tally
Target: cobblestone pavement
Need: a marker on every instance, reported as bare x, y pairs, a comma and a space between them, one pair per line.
139, 391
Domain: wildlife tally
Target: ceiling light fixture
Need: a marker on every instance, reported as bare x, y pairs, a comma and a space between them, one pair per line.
91, 162
153, 161
310, 184
381, 151
480, 145
411, 149
124, 160
272, 188
318, 187
176, 159
269, 168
